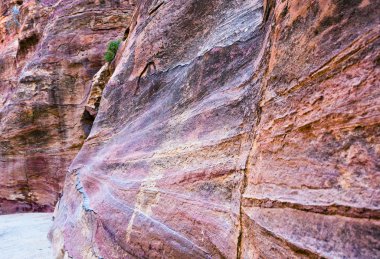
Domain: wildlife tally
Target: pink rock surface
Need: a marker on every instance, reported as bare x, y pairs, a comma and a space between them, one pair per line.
49, 52
229, 129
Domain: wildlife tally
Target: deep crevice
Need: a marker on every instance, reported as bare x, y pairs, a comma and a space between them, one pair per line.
100, 80
126, 34
87, 121
26, 45
269, 6
155, 8
149, 69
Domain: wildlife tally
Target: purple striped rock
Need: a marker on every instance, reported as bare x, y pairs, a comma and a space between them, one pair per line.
233, 129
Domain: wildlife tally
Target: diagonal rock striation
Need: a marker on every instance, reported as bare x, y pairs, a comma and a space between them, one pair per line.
233, 129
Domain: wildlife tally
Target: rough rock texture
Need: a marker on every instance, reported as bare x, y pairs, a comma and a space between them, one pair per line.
25, 236
233, 129
99, 81
313, 175
49, 52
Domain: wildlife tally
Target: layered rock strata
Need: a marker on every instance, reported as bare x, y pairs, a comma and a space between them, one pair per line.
49, 52
233, 129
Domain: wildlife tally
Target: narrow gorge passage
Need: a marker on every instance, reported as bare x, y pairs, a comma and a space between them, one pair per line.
192, 128
49, 54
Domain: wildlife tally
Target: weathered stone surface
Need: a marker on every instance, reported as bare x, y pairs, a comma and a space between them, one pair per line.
163, 165
97, 86
49, 53
233, 129
316, 148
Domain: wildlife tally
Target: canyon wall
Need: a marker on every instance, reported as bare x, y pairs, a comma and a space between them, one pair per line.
49, 52
233, 129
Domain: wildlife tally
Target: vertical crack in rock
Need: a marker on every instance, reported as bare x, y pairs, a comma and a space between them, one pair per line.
149, 69
268, 9
269, 6
126, 34
98, 84
85, 199
247, 170
242, 189
290, 203
87, 121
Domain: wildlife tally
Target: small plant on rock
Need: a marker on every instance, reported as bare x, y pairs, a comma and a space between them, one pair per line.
111, 51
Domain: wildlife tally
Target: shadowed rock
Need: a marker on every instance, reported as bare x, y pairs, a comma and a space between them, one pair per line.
47, 61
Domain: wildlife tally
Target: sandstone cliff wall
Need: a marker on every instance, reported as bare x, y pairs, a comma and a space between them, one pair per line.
49, 52
246, 129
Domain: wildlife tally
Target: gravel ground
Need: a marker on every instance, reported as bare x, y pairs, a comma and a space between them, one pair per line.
24, 236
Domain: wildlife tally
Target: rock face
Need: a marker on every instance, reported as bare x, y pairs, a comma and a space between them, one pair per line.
245, 128
49, 52
99, 81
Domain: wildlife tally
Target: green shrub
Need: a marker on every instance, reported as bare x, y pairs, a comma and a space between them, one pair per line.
109, 56
111, 51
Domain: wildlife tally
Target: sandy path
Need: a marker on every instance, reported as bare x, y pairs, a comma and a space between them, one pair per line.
24, 236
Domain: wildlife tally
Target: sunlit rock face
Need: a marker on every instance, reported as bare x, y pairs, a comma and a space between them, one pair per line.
49, 52
230, 129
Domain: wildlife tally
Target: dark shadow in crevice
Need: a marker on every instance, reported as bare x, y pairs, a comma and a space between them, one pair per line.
155, 7
126, 34
27, 45
87, 121
149, 69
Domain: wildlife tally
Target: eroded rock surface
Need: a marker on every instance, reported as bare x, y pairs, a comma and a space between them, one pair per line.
49, 52
99, 81
229, 129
